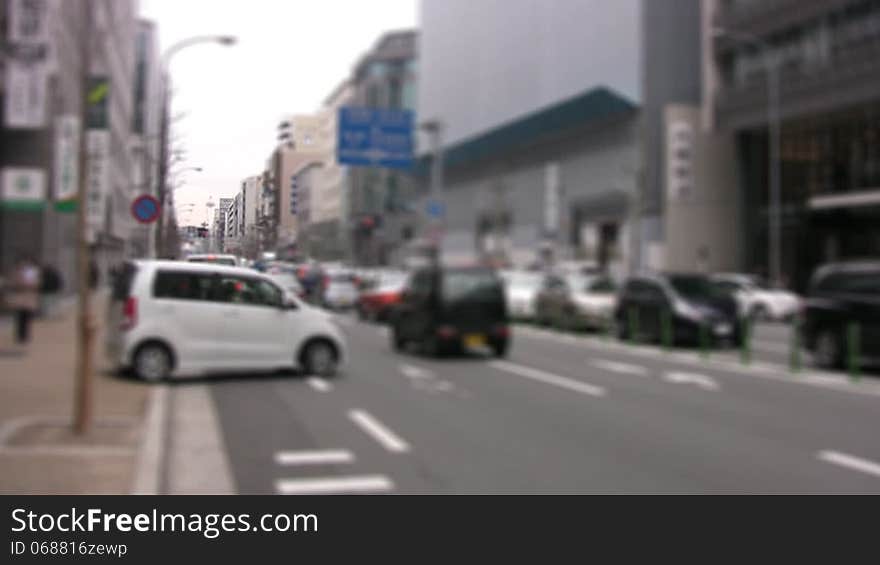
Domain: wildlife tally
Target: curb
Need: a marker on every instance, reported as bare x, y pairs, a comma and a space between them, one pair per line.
150, 460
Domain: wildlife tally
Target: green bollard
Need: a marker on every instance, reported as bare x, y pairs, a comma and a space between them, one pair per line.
633, 324
745, 352
666, 330
704, 341
852, 354
795, 353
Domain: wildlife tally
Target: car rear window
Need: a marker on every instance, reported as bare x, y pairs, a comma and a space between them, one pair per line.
853, 283
471, 285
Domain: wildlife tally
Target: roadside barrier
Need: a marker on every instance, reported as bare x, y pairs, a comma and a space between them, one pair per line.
745, 349
666, 330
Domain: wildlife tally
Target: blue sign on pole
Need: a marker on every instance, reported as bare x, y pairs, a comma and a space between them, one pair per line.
435, 209
379, 137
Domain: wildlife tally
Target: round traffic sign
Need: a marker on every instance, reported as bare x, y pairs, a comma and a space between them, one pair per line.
145, 209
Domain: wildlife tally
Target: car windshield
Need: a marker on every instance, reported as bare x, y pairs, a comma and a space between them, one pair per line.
471, 285
214, 260
693, 286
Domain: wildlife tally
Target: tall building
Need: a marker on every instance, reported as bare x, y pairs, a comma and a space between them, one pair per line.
41, 128
555, 148
825, 56
250, 191
379, 214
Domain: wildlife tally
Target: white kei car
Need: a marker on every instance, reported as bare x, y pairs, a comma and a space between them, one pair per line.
170, 318
758, 301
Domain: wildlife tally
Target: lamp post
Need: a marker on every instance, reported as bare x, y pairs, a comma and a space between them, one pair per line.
225, 40
771, 67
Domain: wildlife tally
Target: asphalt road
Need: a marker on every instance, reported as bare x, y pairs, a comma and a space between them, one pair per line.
561, 414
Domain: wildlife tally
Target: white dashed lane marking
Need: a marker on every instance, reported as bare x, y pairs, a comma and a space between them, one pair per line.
618, 367
702, 381
335, 485
548, 378
850, 462
378, 431
321, 385
317, 457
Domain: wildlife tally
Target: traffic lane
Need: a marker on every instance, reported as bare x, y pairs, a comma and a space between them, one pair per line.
796, 415
642, 446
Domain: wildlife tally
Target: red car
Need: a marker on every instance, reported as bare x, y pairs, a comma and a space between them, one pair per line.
376, 301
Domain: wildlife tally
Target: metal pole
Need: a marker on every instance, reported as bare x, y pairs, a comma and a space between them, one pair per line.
774, 165
82, 397
163, 166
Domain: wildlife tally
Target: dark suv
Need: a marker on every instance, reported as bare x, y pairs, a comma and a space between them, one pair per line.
842, 296
447, 309
692, 302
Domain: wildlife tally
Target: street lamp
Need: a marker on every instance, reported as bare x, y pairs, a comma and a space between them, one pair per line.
771, 67
225, 40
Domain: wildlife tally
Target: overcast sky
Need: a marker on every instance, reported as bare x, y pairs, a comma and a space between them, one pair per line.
290, 56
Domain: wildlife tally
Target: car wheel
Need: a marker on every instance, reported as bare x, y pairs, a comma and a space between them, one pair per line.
828, 352
397, 341
152, 362
360, 313
620, 330
319, 358
500, 349
760, 313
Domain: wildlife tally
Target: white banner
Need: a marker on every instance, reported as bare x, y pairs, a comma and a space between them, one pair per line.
67, 132
98, 182
23, 186
27, 64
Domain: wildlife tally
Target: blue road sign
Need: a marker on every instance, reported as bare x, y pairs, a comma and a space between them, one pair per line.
375, 137
145, 209
435, 209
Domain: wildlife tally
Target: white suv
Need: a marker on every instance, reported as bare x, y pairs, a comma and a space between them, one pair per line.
170, 318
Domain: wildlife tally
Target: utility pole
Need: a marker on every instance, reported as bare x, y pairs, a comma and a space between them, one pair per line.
82, 400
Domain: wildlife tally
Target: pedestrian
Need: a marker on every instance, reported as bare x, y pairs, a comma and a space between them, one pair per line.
51, 285
23, 297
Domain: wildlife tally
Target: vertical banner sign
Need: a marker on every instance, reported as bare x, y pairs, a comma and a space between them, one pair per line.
98, 180
23, 188
26, 63
67, 132
98, 142
680, 157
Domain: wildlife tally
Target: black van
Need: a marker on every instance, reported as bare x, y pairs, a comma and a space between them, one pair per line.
843, 296
448, 309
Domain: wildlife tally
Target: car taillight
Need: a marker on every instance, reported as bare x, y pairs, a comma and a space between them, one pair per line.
446, 331
502, 331
129, 314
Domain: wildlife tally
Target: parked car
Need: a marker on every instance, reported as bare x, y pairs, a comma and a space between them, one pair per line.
380, 295
288, 282
339, 291
175, 318
575, 302
230, 260
758, 301
842, 296
692, 302
520, 290
447, 309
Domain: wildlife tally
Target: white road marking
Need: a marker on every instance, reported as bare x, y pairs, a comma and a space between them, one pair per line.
702, 381
548, 378
850, 462
388, 439
321, 385
328, 456
618, 367
335, 485
417, 373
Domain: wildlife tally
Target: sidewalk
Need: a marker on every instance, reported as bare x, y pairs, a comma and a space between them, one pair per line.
38, 452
